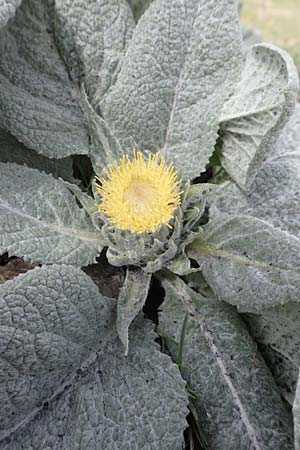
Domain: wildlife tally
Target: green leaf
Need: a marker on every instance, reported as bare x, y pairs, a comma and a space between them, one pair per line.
8, 10
277, 331
235, 397
249, 263
40, 219
131, 300
11, 150
251, 36
39, 103
93, 36
88, 203
65, 382
51, 318
253, 117
179, 68
275, 194
296, 413
105, 148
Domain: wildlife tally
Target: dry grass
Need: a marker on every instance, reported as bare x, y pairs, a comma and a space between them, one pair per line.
278, 22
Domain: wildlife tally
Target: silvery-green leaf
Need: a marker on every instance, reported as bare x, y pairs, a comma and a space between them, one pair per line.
275, 193
251, 36
39, 104
131, 300
248, 262
296, 414
65, 382
139, 7
105, 147
180, 66
88, 203
253, 117
51, 319
40, 219
93, 36
235, 397
277, 331
8, 10
11, 150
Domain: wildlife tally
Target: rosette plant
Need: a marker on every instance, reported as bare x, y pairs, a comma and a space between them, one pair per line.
142, 131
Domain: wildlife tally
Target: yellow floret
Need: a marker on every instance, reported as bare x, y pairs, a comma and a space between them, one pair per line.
139, 195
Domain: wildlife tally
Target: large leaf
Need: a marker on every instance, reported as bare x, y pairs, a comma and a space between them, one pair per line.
179, 68
275, 193
39, 104
93, 36
249, 263
235, 397
40, 219
8, 10
254, 115
277, 331
11, 150
65, 383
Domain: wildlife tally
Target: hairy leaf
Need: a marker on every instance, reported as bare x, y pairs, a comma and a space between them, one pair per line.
50, 319
254, 115
275, 193
235, 397
8, 10
38, 102
93, 36
179, 68
11, 150
248, 262
65, 381
105, 148
40, 219
296, 412
131, 301
251, 36
277, 330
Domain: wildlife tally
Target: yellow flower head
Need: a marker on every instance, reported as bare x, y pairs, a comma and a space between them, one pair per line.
139, 195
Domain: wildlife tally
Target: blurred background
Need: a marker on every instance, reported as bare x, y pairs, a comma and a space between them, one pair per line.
277, 21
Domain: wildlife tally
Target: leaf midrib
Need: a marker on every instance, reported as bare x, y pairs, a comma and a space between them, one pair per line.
199, 249
198, 319
69, 381
87, 236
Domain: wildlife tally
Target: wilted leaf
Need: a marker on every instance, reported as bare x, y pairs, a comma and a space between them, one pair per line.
39, 104
179, 68
65, 382
235, 397
253, 117
249, 263
40, 219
